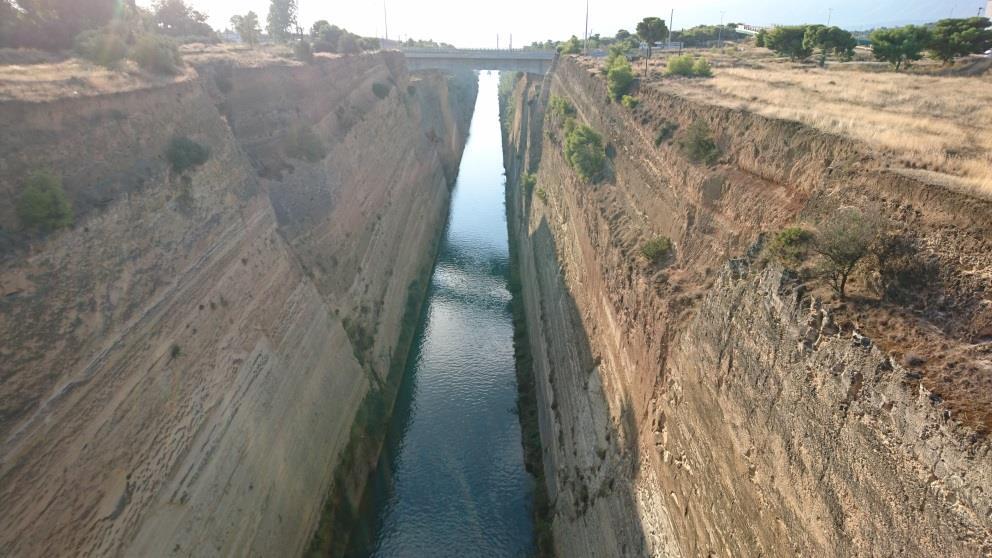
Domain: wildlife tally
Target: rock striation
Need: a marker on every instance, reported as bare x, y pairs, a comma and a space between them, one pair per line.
187, 370
714, 405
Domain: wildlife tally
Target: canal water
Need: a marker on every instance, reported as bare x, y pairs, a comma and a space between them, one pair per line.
451, 478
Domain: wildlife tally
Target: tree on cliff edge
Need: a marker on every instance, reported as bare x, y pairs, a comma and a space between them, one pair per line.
247, 27
651, 30
282, 19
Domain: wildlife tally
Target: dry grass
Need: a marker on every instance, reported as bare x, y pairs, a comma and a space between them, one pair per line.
938, 127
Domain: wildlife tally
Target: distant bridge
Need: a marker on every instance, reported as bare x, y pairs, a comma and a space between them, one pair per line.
530, 61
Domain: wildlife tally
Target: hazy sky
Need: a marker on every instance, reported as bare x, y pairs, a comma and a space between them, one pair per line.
475, 24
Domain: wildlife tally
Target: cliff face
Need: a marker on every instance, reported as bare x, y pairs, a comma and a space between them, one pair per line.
185, 367
713, 405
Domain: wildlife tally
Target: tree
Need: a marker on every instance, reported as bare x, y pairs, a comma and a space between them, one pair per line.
318, 28
900, 45
43, 204
282, 19
51, 24
176, 18
844, 241
619, 77
622, 35
759, 39
571, 46
651, 30
951, 38
247, 27
789, 41
829, 39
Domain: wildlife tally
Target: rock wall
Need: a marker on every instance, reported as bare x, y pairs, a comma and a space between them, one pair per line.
185, 369
713, 405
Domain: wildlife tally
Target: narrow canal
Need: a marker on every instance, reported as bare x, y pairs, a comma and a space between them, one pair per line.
451, 478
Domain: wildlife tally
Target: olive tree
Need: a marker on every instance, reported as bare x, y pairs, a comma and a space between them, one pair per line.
844, 241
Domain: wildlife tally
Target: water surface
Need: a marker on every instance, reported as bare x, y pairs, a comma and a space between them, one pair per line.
451, 478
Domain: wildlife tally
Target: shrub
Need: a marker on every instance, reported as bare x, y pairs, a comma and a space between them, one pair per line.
528, 181
157, 54
303, 143
619, 78
900, 269
584, 152
175, 351
560, 107
541, 194
665, 132
680, 65
303, 51
697, 144
101, 47
844, 241
791, 245
657, 249
702, 68
184, 154
380, 90
629, 102
43, 204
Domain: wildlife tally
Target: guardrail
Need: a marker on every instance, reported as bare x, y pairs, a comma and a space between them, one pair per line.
504, 54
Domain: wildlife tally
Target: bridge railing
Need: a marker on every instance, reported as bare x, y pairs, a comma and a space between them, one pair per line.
478, 53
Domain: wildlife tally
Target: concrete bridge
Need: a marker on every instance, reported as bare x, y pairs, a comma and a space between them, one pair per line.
530, 61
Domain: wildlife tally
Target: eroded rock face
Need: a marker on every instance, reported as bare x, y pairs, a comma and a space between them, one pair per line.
183, 369
711, 405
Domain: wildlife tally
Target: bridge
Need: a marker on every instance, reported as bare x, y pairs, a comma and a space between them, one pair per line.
530, 61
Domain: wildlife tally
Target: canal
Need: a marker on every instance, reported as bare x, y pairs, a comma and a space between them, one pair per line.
451, 479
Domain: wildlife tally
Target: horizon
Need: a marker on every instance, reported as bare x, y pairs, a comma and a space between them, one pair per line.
544, 21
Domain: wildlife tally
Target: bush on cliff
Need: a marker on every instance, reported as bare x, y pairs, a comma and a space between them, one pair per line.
184, 154
844, 241
43, 204
619, 78
381, 90
527, 182
303, 143
584, 152
697, 144
657, 249
629, 102
157, 54
560, 108
102, 47
688, 66
791, 245
303, 52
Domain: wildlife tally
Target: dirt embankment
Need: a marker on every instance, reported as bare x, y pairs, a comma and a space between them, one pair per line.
184, 368
702, 406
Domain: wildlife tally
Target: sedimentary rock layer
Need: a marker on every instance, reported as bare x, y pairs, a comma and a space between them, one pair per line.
713, 405
182, 369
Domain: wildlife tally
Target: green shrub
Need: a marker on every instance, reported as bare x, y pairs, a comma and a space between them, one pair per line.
303, 51
681, 65
157, 54
541, 194
619, 78
629, 102
528, 181
790, 246
184, 154
844, 241
657, 249
380, 90
697, 144
101, 47
560, 108
175, 351
702, 68
665, 132
303, 143
43, 204
584, 152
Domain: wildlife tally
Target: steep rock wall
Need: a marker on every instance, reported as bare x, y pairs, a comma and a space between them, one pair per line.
699, 409
177, 376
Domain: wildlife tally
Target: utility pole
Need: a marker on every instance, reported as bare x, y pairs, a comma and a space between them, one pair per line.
511, 41
385, 18
671, 21
497, 41
585, 45
830, 12
719, 37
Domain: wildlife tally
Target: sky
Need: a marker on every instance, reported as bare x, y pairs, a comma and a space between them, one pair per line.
467, 23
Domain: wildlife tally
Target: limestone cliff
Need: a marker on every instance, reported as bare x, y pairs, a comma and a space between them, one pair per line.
714, 405
187, 367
